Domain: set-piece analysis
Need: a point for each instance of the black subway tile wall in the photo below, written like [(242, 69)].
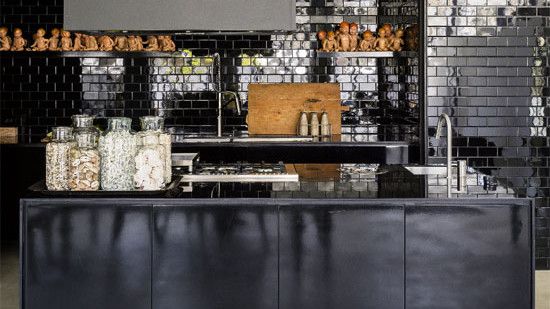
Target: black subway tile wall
[(488, 69), (382, 93)]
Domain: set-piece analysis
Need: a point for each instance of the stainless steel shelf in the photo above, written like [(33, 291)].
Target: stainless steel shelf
[(372, 54)]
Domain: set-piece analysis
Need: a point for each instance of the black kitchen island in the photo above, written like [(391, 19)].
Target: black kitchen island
[(354, 239)]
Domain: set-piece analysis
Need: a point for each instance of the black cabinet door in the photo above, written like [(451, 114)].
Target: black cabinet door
[(341, 256), (86, 256), (212, 257), (468, 257)]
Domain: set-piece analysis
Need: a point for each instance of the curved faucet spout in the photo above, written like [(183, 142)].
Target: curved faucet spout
[(237, 101), (444, 119)]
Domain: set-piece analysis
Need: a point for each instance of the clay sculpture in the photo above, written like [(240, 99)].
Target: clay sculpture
[(5, 40), (40, 42)]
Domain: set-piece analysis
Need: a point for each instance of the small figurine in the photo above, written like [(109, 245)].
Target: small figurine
[(139, 41), (396, 42), (167, 44), (66, 42), (19, 43), (382, 43), (53, 44), (90, 42), (132, 43), (343, 37), (135, 43), (106, 43), (5, 40), (330, 44), (152, 43), (121, 43), (78, 39), (40, 42), (354, 37), (368, 41), (321, 36), (389, 30)]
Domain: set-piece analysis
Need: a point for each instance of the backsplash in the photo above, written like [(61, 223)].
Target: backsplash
[(487, 68), (382, 93)]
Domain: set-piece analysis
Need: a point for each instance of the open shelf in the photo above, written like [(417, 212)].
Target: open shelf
[(369, 54), (100, 54)]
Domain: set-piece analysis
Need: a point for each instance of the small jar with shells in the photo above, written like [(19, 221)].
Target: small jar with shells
[(58, 159), (84, 162)]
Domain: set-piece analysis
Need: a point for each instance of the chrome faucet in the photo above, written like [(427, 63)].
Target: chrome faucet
[(218, 87), (445, 118), (220, 107)]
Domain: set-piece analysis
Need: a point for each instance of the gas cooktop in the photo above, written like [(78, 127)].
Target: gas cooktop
[(240, 172)]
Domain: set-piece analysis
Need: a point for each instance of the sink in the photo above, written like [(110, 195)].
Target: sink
[(203, 140), (244, 139), (272, 139), (426, 169)]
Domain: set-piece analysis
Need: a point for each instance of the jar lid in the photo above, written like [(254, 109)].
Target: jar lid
[(119, 123), (60, 134), (82, 121), (152, 123)]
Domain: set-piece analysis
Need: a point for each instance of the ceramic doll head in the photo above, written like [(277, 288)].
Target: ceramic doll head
[(353, 29), (55, 32), (331, 35), (3, 32), (381, 32), (321, 35), (17, 32), (40, 33), (65, 34), (344, 27), (367, 35), (388, 28)]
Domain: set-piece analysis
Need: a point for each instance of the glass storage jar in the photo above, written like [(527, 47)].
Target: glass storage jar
[(57, 159), (117, 148), (149, 162), (85, 162), (83, 123), (156, 124)]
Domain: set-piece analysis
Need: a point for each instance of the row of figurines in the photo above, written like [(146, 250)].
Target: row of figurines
[(81, 159), (61, 40), (346, 38)]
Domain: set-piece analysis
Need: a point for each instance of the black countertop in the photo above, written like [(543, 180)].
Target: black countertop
[(341, 181)]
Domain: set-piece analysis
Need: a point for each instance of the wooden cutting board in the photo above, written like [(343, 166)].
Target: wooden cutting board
[(8, 135), (274, 109)]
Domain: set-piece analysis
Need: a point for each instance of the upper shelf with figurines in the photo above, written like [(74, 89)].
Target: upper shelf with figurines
[(61, 40), (387, 42)]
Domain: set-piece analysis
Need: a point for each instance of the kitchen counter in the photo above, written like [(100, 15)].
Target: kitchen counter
[(276, 253)]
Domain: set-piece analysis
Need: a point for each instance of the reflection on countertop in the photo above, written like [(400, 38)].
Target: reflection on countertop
[(317, 181), (320, 181)]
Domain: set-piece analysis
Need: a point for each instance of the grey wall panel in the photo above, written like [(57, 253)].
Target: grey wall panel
[(159, 15)]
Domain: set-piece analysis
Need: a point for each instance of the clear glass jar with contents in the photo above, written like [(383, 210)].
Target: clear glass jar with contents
[(83, 123), (58, 159), (117, 148), (156, 124), (85, 162), (149, 162)]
